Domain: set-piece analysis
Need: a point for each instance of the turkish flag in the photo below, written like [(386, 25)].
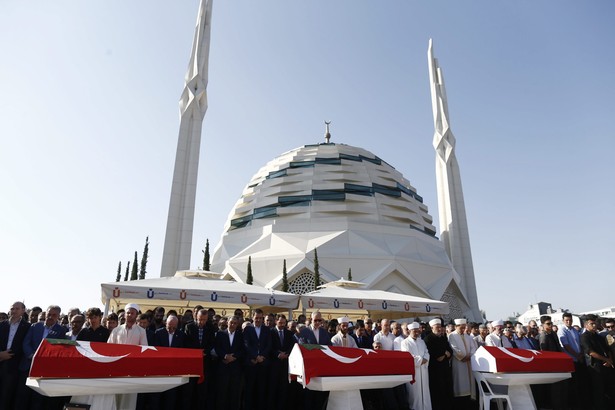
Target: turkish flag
[(67, 359), (321, 361), (495, 359)]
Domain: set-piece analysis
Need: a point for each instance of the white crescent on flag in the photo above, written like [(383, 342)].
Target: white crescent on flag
[(338, 357), (85, 350), (520, 358)]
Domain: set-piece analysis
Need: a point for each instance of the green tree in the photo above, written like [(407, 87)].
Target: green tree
[(316, 270), (206, 265), (143, 269), (284, 278), (249, 278), (349, 273), (134, 275), (119, 272), (127, 271)]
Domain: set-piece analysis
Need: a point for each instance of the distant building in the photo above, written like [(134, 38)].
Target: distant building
[(535, 311), (604, 312)]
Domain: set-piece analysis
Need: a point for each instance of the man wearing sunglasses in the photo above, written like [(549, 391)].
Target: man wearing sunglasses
[(315, 333)]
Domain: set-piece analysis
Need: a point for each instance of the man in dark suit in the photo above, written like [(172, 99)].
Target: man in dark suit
[(200, 335), (169, 336), (282, 342), (230, 349), (257, 339), (49, 329), (12, 335), (315, 333)]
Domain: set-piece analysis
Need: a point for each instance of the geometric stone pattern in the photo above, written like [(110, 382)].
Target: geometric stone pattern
[(302, 284)]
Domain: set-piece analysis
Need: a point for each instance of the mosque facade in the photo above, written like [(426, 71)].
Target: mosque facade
[(360, 214)]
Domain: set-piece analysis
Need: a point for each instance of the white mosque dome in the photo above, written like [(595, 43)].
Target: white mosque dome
[(358, 211)]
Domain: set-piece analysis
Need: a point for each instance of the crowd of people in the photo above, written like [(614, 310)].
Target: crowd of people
[(246, 358)]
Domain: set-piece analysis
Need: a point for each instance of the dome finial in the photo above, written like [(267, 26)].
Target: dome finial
[(327, 133)]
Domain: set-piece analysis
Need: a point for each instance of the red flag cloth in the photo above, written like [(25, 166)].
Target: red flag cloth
[(495, 359), (85, 360), (331, 361)]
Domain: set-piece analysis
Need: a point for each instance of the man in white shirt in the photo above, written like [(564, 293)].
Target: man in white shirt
[(400, 331), (76, 325), (385, 337)]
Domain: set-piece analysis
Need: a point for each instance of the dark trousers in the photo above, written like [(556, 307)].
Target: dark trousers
[(598, 378), (228, 396), (9, 380), (278, 385), (256, 389)]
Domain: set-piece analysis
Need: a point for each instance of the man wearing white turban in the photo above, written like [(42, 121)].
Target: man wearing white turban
[(418, 392), (130, 333), (463, 348)]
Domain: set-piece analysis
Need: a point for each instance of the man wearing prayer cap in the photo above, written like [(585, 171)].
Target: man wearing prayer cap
[(440, 376), (130, 333), (342, 338), (418, 392), (463, 348)]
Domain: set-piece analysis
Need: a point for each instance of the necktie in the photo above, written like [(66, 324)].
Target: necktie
[(281, 337)]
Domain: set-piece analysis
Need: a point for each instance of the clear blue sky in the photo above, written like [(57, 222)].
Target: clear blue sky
[(89, 117)]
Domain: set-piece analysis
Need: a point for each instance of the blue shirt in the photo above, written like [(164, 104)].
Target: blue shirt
[(523, 343), (569, 336)]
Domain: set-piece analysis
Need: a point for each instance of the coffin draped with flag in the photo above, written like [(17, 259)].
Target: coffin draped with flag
[(310, 361), (494, 359), (64, 359)]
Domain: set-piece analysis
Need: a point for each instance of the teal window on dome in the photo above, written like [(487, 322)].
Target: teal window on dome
[(265, 212), (328, 195), (241, 222), (375, 160), (296, 200), (350, 157), (358, 189), (329, 161), (277, 174), (302, 164), (385, 190)]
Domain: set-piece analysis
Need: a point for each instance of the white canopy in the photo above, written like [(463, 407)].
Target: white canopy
[(190, 288), (347, 297)]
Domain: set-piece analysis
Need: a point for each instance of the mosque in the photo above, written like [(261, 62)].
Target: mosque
[(360, 214)]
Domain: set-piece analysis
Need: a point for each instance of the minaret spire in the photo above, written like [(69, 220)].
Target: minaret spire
[(327, 133), (192, 108), (453, 223)]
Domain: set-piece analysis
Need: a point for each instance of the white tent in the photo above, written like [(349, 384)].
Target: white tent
[(190, 288), (346, 297)]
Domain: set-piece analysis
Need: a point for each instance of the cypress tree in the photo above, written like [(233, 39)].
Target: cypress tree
[(316, 271), (349, 274), (249, 278), (206, 264), (284, 278), (127, 271), (143, 269), (119, 272), (134, 275)]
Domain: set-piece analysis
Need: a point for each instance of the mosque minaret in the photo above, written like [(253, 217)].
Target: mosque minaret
[(192, 108), (452, 212)]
